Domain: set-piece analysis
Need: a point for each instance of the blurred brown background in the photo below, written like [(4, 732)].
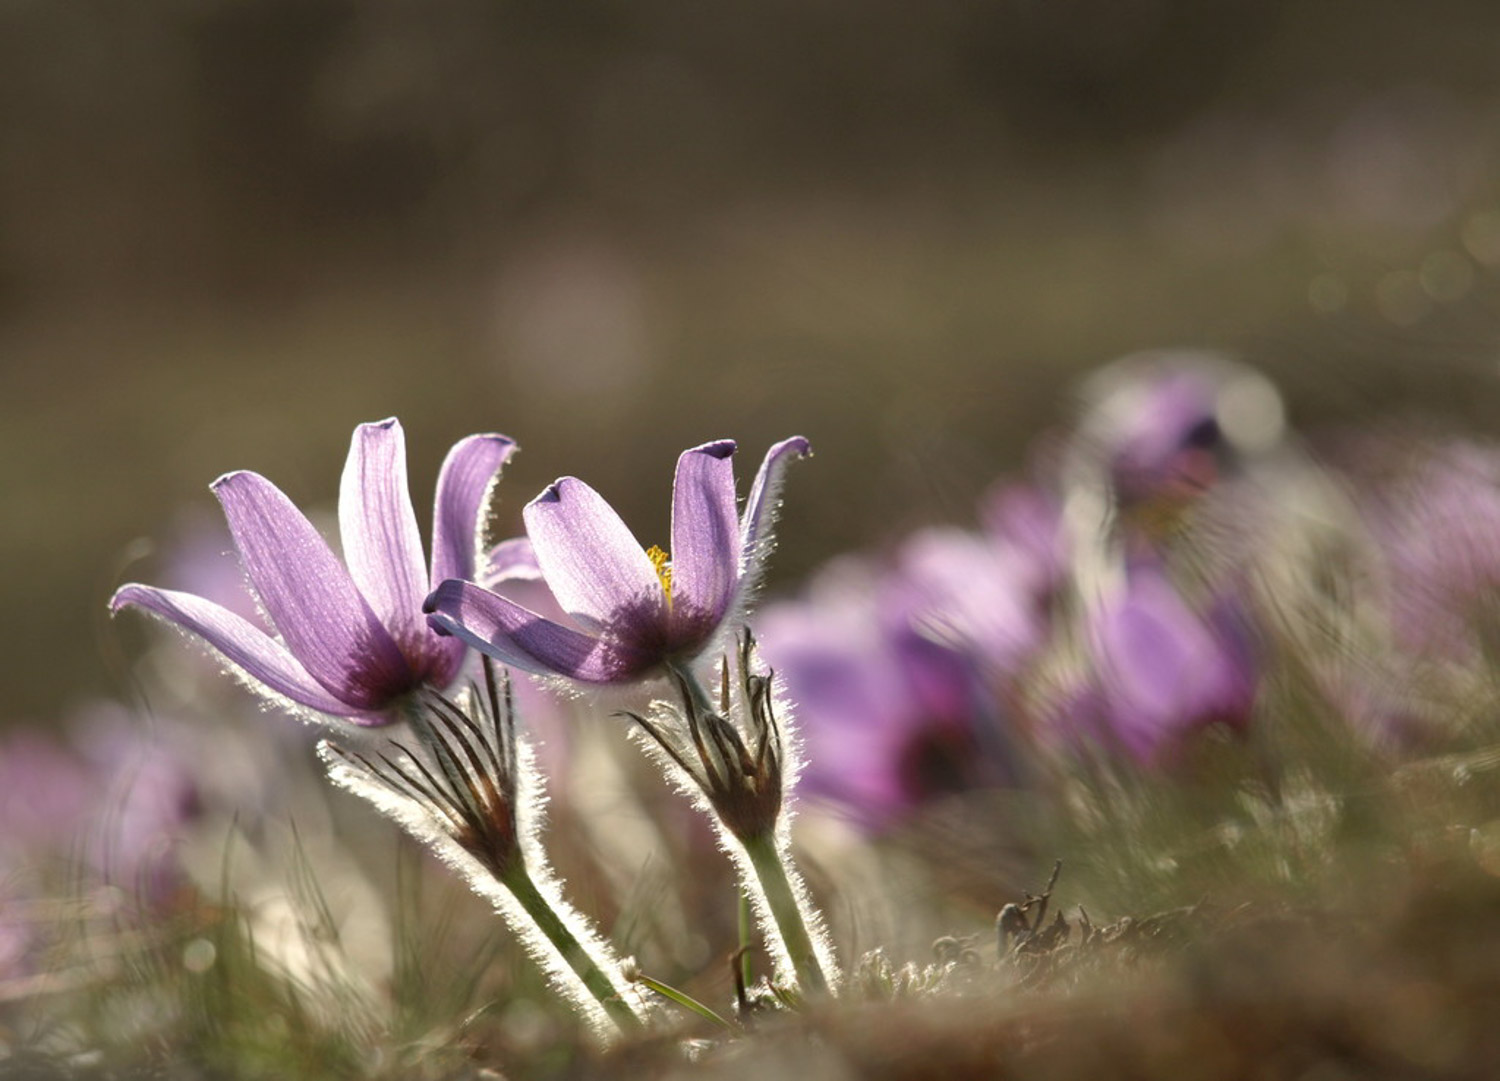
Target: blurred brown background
[(232, 229)]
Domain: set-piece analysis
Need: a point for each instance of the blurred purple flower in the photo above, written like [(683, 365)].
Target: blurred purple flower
[(1162, 671), (1438, 528), (902, 674), (1027, 521), (856, 713), (635, 611), (892, 715), (109, 800), (353, 642), (1161, 428), (46, 796), (147, 791), (976, 594), (45, 792)]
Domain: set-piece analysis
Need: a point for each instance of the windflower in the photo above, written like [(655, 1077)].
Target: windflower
[(904, 670), (1438, 530), (895, 710), (636, 610), (1164, 671), (1160, 428), (351, 640)]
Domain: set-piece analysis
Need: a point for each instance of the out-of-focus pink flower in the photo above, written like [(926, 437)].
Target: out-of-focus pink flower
[(148, 793), (1438, 528), (973, 592), (892, 688), (110, 800), (45, 790), (1163, 671), (1160, 429)]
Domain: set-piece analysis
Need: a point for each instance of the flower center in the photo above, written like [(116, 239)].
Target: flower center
[(663, 564)]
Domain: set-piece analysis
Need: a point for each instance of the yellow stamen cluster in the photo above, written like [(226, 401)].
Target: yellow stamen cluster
[(663, 564)]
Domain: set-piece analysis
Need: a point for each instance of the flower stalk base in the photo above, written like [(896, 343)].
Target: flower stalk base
[(784, 905), (537, 908)]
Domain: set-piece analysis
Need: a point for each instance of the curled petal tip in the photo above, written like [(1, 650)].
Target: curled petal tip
[(718, 448), (435, 598), (504, 443), (555, 491), (501, 440), (227, 478)]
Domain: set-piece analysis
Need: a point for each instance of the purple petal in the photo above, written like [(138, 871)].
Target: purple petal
[(381, 543), (596, 568), (705, 535), (518, 637), (316, 607), (1029, 519), (470, 468), (765, 500), (1164, 670), (469, 471), (511, 560), (244, 645)]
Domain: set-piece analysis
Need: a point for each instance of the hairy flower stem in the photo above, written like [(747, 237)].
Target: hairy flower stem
[(786, 911), (465, 784), (732, 754), (537, 908)]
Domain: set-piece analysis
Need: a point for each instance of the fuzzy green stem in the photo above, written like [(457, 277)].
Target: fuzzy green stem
[(519, 883), (781, 899), (747, 971)]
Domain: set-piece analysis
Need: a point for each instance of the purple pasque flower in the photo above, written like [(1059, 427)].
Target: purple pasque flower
[(635, 609), (974, 592), (148, 788), (1160, 428), (1163, 671), (856, 710), (893, 712), (1026, 519), (1437, 527), (45, 791), (352, 640)]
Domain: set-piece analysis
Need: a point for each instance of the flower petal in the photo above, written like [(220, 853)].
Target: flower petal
[(518, 637), (705, 535), (760, 510), (512, 560), (595, 567), (471, 467), (463, 487), (316, 607), (381, 543), (244, 645)]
